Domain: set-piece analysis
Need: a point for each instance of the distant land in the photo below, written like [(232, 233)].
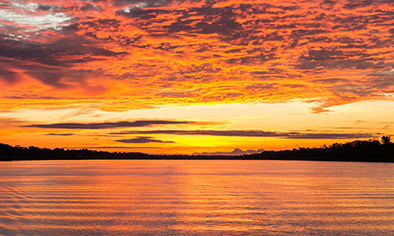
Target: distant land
[(359, 150)]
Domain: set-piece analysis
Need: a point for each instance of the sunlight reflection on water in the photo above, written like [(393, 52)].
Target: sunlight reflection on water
[(150, 197)]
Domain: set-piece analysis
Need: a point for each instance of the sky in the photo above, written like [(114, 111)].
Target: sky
[(209, 76)]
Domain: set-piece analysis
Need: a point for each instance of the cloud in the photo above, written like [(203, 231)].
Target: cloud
[(58, 134), (8, 121), (253, 133), (109, 125), (27, 96), (23, 15), (62, 52), (112, 147), (8, 76), (193, 52), (142, 140), (351, 4), (51, 63), (235, 152), (90, 7), (336, 58)]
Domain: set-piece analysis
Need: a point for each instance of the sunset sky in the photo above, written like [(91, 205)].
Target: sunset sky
[(163, 76)]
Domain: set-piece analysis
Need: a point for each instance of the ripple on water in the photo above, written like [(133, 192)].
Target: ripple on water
[(196, 197)]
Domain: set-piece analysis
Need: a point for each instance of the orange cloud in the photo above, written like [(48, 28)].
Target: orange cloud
[(109, 53)]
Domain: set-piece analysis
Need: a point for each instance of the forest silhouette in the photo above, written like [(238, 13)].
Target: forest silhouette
[(359, 150)]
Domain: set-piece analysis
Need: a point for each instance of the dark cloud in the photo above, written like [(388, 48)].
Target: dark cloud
[(112, 147), (329, 2), (254, 133), (329, 136), (351, 4), (384, 73), (52, 78), (90, 7), (29, 96), (110, 125), (337, 59), (143, 140), (220, 21), (59, 77), (255, 59), (381, 83), (8, 76), (141, 13), (331, 81), (63, 52), (46, 7), (50, 63), (64, 134), (145, 3), (50, 69)]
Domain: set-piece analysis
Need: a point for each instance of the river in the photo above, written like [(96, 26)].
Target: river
[(196, 197)]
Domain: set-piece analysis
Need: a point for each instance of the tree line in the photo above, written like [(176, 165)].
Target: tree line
[(359, 150), (9, 153)]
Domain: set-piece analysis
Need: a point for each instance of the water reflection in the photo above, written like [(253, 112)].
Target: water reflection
[(196, 197)]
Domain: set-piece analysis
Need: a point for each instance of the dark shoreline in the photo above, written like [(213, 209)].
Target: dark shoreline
[(356, 151), (195, 159)]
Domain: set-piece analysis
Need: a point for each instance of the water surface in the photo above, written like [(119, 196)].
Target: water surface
[(196, 197)]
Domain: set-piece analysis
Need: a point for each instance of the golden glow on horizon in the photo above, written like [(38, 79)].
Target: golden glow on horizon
[(267, 117)]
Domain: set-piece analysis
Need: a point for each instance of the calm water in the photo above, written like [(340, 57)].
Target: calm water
[(196, 197)]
